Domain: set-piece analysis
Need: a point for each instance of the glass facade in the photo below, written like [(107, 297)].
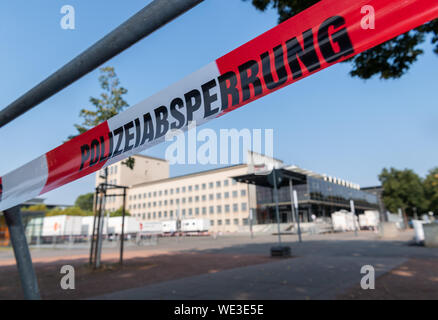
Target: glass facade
[(316, 197)]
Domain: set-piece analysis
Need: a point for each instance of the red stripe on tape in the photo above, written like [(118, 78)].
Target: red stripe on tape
[(327, 33), (74, 160)]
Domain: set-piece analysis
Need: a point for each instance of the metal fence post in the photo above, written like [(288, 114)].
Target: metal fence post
[(22, 255)]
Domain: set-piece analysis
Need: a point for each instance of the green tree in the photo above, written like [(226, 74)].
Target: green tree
[(36, 207), (402, 189), (110, 103), (85, 201), (69, 211), (119, 213), (389, 60), (431, 189)]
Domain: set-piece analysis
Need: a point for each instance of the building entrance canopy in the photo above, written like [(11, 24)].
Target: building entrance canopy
[(264, 181)]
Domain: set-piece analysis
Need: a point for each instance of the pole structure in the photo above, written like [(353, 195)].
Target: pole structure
[(277, 210), (28, 278), (354, 216), (297, 215), (93, 242), (150, 18), (294, 208), (122, 240)]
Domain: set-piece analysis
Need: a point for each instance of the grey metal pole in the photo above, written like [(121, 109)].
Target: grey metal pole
[(150, 18), (123, 227), (22, 255), (277, 210), (297, 215), (354, 216), (292, 205)]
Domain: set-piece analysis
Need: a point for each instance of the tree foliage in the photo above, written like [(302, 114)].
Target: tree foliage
[(119, 213), (85, 201), (431, 189), (389, 60), (109, 103), (69, 211), (36, 208), (402, 189)]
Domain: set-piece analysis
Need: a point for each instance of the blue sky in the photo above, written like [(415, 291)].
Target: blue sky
[(329, 123)]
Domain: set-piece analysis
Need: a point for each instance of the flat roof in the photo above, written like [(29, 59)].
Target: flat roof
[(149, 157), (200, 173), (262, 179)]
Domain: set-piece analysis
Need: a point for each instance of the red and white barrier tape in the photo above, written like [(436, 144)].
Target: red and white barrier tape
[(316, 38)]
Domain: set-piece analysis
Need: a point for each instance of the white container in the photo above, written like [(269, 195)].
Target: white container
[(87, 225), (151, 227), (419, 232), (344, 221), (115, 225), (168, 226), (195, 225), (62, 226)]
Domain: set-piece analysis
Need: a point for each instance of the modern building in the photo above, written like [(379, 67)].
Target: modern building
[(146, 169), (226, 201), (318, 195)]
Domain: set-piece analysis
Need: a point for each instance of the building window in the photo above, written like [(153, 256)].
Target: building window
[(197, 211), (243, 206), (227, 208), (177, 190), (234, 194), (226, 183), (196, 198), (196, 187), (243, 193), (165, 214), (218, 184), (218, 209), (159, 214), (233, 182), (204, 197), (190, 199), (211, 209), (212, 222), (219, 222), (171, 191), (210, 185), (183, 189), (226, 195), (183, 212), (211, 196), (218, 195), (190, 211), (245, 222), (155, 214), (155, 193), (227, 222), (171, 213), (149, 215), (204, 186), (235, 207), (236, 222), (204, 210), (190, 188)]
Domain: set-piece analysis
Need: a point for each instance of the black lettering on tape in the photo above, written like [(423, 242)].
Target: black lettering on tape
[(228, 88), (161, 122), (193, 102), (340, 38), (252, 79), (85, 155), (209, 98), (279, 68), (306, 54)]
